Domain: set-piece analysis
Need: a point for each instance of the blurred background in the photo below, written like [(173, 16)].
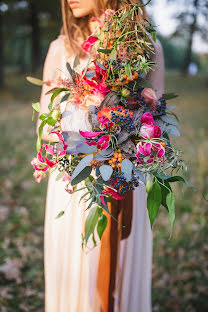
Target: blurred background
[(180, 266)]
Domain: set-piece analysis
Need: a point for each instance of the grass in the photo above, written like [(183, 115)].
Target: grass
[(180, 272)]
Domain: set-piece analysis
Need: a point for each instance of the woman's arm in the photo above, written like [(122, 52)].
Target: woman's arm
[(51, 71), (157, 77)]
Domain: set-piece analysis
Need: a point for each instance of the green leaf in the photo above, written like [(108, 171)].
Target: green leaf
[(35, 81), (165, 190), (40, 132), (170, 200), (91, 222), (51, 91), (43, 116), (51, 122), (106, 51), (36, 107), (76, 62), (101, 226), (82, 175), (56, 93), (61, 213), (154, 199), (154, 36), (128, 70), (170, 179)]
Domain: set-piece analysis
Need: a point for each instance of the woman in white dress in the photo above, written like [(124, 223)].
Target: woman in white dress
[(76, 281)]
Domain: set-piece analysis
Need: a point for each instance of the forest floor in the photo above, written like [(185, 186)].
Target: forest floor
[(180, 265)]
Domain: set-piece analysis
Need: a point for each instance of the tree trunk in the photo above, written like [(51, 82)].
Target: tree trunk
[(35, 37), (193, 26), (1, 51)]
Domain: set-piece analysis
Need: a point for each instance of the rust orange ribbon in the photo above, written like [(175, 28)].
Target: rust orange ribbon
[(106, 278)]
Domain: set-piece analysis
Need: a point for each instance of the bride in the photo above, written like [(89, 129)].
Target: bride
[(100, 280)]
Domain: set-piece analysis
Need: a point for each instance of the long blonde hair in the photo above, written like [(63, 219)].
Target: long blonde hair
[(74, 28)]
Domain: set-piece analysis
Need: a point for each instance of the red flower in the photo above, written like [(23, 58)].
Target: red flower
[(88, 44)]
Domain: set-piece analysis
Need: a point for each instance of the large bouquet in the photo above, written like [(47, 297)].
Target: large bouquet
[(128, 142)]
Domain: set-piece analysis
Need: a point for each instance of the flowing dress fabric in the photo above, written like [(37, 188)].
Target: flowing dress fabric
[(70, 273)]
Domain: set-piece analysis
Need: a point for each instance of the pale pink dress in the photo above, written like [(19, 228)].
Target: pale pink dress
[(70, 273)]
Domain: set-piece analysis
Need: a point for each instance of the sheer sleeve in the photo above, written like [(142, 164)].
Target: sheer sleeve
[(157, 77), (52, 70)]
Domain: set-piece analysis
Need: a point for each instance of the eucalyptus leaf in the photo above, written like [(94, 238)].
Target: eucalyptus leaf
[(169, 96), (154, 199), (169, 120), (90, 74), (82, 164), (76, 62), (126, 168), (70, 70), (139, 174), (82, 175), (170, 129), (100, 65), (91, 222), (106, 172), (65, 97)]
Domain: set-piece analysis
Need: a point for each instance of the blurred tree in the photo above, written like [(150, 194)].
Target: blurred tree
[(26, 22), (192, 21), (1, 49)]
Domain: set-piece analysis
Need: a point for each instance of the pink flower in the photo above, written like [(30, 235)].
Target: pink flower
[(88, 44), (38, 175), (66, 178), (97, 83), (148, 128), (150, 131), (147, 118), (69, 189), (43, 163), (90, 135), (102, 142), (150, 151), (110, 192), (147, 131)]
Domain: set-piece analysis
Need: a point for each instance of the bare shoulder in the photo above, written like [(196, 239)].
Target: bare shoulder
[(57, 45)]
